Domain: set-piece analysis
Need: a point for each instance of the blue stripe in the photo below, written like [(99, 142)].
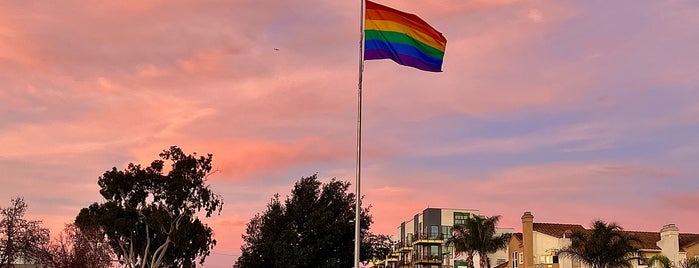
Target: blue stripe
[(396, 50)]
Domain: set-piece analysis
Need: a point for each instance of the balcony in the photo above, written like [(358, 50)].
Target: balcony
[(424, 238), (427, 259), (405, 246)]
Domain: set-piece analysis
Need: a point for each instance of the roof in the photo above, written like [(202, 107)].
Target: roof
[(648, 239), (518, 236), (502, 265), (557, 229), (688, 240)]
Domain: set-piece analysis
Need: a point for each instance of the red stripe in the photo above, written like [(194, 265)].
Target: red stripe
[(375, 11)]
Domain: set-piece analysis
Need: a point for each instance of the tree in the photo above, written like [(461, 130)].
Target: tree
[(689, 263), (604, 246), (76, 249), (20, 239), (378, 247), (660, 261), (460, 240), (150, 217), (314, 227), (478, 235)]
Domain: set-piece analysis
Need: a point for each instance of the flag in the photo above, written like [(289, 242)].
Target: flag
[(402, 37)]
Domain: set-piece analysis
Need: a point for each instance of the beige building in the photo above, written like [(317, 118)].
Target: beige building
[(538, 245)]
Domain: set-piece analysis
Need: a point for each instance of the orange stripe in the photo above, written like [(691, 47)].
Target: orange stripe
[(422, 26), (376, 11), (391, 26)]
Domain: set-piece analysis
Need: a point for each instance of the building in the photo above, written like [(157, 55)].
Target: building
[(538, 244), (421, 241)]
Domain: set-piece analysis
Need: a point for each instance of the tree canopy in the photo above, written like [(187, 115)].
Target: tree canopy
[(20, 238), (604, 246), (689, 263), (77, 249), (660, 261), (314, 227), (378, 246), (150, 216)]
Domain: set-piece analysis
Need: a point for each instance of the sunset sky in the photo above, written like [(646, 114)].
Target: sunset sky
[(573, 110)]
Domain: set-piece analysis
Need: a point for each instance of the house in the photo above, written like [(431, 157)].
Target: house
[(538, 245)]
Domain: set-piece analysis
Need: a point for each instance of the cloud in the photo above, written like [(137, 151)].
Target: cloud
[(535, 15), (245, 159), (684, 201), (568, 109)]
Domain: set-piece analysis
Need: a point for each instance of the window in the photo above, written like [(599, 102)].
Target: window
[(434, 231), (460, 217), (434, 250), (515, 259), (521, 258), (446, 232)]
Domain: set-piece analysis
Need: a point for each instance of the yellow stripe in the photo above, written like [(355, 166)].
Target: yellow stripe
[(385, 25)]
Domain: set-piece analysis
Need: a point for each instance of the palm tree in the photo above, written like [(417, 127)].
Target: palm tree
[(604, 246), (660, 261), (478, 235), (689, 263), (461, 243)]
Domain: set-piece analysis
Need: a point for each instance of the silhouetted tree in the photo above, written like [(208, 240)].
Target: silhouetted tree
[(604, 246), (461, 241), (150, 217), (20, 239), (314, 227), (377, 247), (77, 249)]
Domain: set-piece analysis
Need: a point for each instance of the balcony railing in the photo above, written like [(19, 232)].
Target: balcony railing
[(427, 258), (421, 238), (404, 245)]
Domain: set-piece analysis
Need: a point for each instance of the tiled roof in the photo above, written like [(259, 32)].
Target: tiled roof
[(518, 236), (556, 229), (688, 240), (648, 239)]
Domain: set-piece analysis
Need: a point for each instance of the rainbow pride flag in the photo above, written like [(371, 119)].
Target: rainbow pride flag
[(402, 37)]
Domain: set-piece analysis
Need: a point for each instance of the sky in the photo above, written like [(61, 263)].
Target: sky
[(573, 110)]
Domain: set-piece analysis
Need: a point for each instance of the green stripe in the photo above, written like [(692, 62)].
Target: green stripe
[(395, 37)]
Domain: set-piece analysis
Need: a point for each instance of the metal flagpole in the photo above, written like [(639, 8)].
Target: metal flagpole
[(358, 197)]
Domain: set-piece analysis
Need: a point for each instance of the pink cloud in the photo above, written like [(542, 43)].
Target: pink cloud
[(242, 159), (684, 201), (553, 191), (87, 87)]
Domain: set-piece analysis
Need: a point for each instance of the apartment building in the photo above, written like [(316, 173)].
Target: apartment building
[(421, 241)]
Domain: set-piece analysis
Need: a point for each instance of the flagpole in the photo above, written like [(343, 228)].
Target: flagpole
[(357, 210)]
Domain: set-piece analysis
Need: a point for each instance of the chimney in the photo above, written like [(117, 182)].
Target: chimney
[(528, 237), (669, 243)]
